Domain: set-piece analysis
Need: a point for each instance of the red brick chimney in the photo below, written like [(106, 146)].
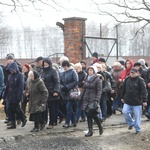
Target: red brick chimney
[(74, 31)]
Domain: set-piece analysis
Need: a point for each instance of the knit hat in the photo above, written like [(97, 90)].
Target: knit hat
[(142, 61), (27, 66), (122, 62), (137, 64), (102, 59), (95, 54), (10, 56)]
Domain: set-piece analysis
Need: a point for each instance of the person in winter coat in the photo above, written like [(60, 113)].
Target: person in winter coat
[(82, 76), (25, 70), (38, 95), (147, 113), (52, 82), (94, 58), (13, 93), (116, 71), (134, 95), (126, 72), (108, 85), (92, 90), (1, 82), (69, 81)]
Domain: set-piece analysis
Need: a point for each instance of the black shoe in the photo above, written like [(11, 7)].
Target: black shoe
[(137, 132), (18, 121), (34, 130), (90, 133), (130, 127), (101, 130), (60, 120), (114, 112), (73, 125), (42, 126), (6, 121), (66, 126), (82, 120), (9, 124), (24, 122), (103, 119), (147, 115), (11, 127)]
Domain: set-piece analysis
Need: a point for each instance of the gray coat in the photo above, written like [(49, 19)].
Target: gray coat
[(38, 96), (92, 90)]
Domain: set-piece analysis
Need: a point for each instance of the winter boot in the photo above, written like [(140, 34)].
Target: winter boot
[(12, 126), (90, 126), (97, 120)]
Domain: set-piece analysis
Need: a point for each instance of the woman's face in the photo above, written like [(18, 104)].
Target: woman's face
[(77, 69), (31, 75), (90, 71), (24, 69), (66, 68), (128, 64), (46, 64)]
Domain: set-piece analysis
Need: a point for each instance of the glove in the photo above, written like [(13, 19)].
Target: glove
[(64, 88)]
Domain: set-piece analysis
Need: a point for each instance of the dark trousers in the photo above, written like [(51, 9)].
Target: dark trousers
[(16, 110), (53, 111)]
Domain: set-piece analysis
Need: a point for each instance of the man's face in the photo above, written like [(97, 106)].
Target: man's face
[(10, 61), (94, 58), (134, 74), (137, 67), (39, 63)]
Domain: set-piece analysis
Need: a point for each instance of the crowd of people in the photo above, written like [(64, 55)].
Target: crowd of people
[(53, 92)]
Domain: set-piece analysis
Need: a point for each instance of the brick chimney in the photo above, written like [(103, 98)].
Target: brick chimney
[(74, 31)]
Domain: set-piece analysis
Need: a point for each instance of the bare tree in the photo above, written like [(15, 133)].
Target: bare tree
[(125, 11)]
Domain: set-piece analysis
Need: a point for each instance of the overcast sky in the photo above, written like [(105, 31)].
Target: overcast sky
[(50, 15)]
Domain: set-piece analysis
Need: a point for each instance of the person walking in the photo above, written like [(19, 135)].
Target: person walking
[(14, 92), (52, 82), (92, 90), (134, 95), (68, 81), (38, 95)]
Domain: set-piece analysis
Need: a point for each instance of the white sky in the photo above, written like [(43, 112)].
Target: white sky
[(49, 15)]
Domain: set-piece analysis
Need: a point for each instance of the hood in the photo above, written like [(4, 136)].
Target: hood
[(13, 66), (94, 68), (47, 60)]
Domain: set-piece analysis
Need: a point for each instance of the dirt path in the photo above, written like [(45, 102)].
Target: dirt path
[(120, 138)]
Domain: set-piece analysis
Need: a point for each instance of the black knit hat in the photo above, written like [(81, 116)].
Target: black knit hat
[(102, 59), (137, 64), (95, 54)]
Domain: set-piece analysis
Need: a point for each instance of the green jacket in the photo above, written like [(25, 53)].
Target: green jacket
[(38, 96)]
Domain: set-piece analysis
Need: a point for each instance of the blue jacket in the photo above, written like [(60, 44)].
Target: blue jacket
[(15, 84), (69, 79), (1, 80)]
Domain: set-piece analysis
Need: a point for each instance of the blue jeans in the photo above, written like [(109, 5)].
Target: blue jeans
[(136, 121), (117, 103), (70, 116), (80, 112)]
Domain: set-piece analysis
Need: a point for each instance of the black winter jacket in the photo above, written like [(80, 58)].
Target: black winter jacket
[(134, 91)]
